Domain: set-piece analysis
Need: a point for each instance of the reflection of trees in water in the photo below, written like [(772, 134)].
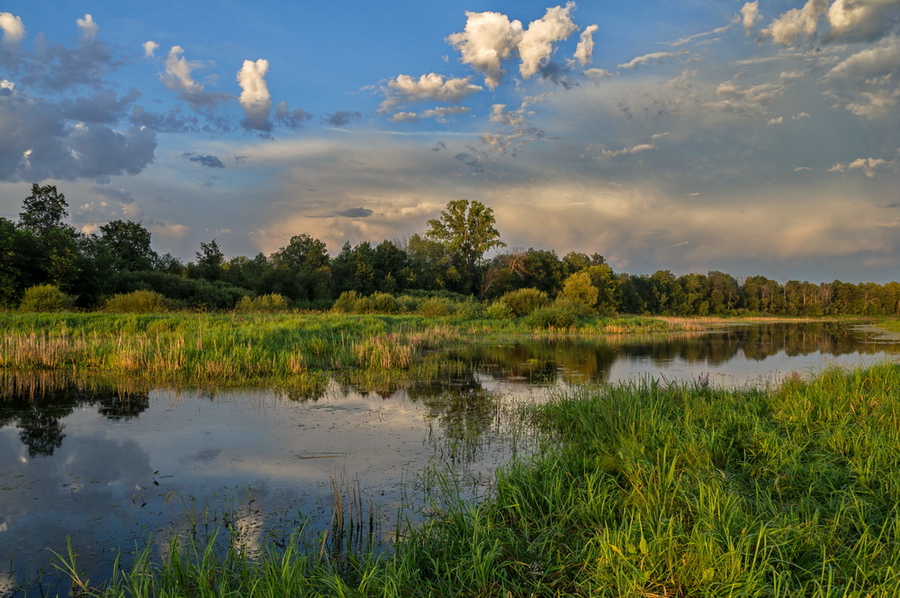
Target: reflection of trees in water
[(543, 361), (462, 407), (36, 405)]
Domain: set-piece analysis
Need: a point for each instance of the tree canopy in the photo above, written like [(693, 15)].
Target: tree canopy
[(466, 229)]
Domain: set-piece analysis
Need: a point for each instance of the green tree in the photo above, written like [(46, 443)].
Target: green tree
[(210, 262), (43, 210), (128, 244), (301, 270), (466, 229)]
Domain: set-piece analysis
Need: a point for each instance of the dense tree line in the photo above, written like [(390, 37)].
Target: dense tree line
[(449, 258)]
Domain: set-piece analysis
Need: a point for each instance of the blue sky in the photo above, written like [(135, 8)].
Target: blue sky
[(750, 137)]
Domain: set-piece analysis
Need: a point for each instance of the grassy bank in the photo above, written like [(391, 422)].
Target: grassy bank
[(226, 349), (644, 491)]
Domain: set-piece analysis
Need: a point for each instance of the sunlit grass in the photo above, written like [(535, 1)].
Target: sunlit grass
[(231, 349)]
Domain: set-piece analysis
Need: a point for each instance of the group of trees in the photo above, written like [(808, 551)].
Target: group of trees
[(41, 249)]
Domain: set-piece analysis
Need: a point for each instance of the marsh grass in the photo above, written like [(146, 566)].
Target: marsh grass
[(643, 490), (297, 350)]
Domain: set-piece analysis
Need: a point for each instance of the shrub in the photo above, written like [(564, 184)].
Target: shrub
[(499, 311), (137, 302), (525, 301), (45, 297), (385, 303), (469, 309), (551, 317), (436, 306), (264, 303), (346, 302)]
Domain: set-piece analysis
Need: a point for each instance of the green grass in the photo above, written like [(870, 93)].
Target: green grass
[(229, 349), (642, 490)]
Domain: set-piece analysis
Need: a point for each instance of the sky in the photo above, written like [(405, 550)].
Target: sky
[(749, 137)]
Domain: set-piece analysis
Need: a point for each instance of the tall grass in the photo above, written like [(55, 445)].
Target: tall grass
[(243, 349), (643, 490)]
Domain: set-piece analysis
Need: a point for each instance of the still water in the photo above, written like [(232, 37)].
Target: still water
[(115, 469)]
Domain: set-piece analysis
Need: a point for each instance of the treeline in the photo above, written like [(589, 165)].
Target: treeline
[(42, 251)]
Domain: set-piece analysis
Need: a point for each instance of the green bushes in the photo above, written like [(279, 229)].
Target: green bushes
[(551, 317), (524, 301), (262, 304), (45, 298), (137, 302)]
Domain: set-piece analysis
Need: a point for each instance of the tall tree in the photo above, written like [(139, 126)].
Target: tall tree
[(129, 245), (43, 210), (466, 229)]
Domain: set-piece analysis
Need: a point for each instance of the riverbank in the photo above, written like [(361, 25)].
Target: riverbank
[(641, 490)]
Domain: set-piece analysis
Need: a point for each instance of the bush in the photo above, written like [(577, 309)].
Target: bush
[(525, 301), (45, 297), (346, 302), (137, 302), (499, 311), (436, 306), (385, 303), (551, 317), (264, 303)]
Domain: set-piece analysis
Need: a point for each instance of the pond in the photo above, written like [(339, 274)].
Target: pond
[(115, 468)]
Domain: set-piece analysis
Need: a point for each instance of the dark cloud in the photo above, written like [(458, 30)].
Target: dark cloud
[(208, 160), (342, 118), (39, 143), (556, 73), (173, 121), (292, 119), (355, 213), (440, 145), (474, 163), (58, 68), (100, 107)]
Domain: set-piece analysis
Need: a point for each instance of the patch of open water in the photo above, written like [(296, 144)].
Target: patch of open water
[(113, 470)]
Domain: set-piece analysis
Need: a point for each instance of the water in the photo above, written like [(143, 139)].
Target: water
[(116, 469)]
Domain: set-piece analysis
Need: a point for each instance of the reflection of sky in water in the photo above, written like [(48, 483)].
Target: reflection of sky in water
[(267, 462), (265, 458)]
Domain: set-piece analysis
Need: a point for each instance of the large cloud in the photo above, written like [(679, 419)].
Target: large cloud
[(255, 98), (490, 38), (40, 144), (537, 42), (845, 20)]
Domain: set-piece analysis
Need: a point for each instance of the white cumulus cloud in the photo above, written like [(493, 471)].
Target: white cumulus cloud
[(430, 87), (862, 19), (796, 22), (88, 27), (13, 29), (149, 48), (536, 43), (178, 72), (584, 52), (255, 98), (487, 40), (868, 165), (750, 16)]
